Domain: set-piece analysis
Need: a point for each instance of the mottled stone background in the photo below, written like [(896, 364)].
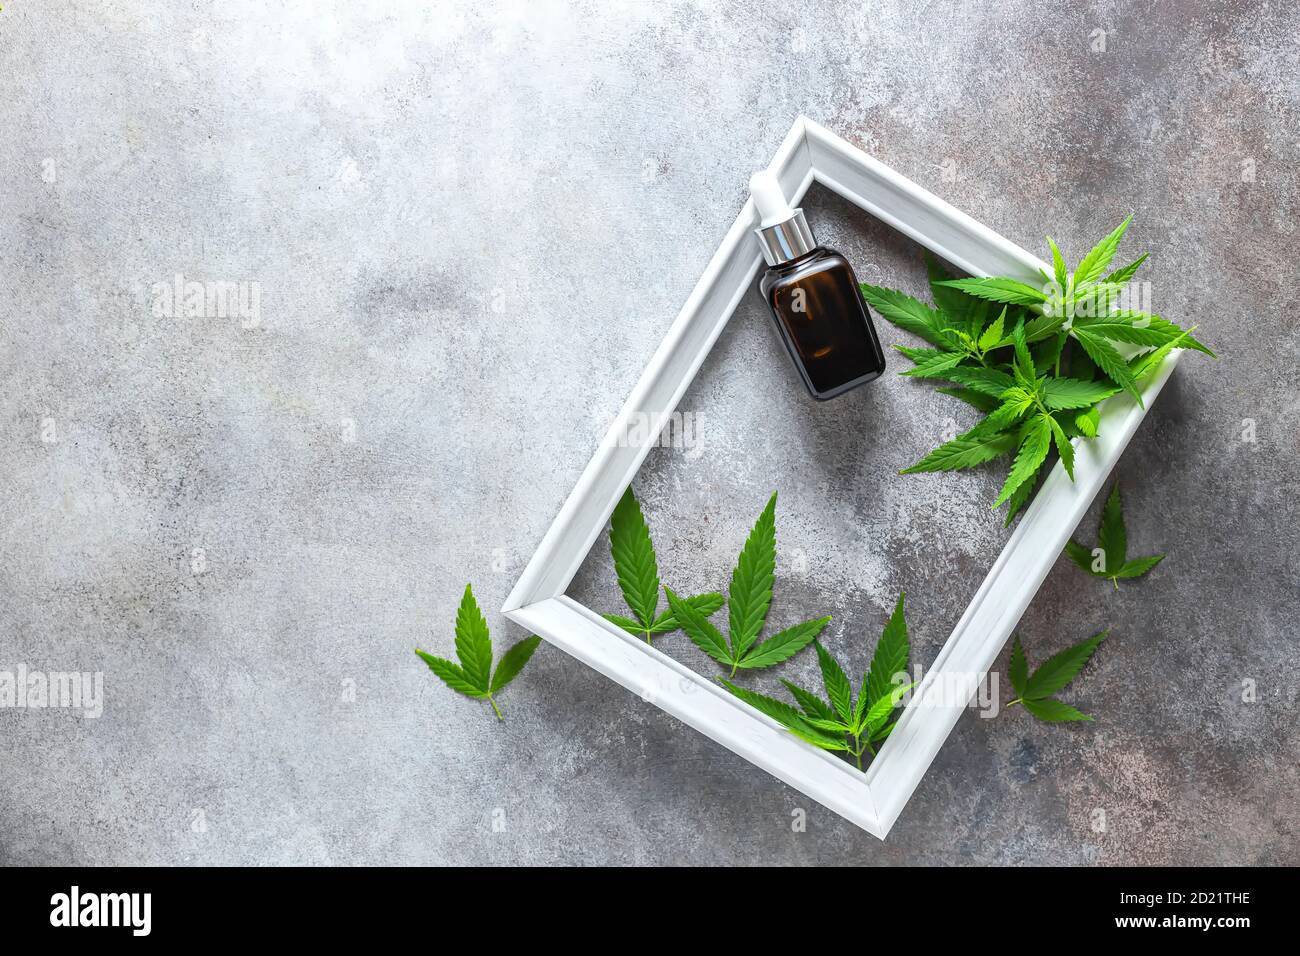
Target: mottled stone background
[(470, 226)]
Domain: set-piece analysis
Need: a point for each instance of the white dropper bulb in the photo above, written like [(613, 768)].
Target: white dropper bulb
[(770, 200)]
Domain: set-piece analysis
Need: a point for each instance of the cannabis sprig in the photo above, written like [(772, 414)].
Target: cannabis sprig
[(1110, 558), (1035, 691), (637, 569), (474, 676), (1039, 367), (748, 601), (838, 722)]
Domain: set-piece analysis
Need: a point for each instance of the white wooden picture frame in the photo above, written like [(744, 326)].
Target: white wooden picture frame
[(874, 799)]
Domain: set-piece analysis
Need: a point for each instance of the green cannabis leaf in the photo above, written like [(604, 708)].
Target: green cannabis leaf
[(838, 722), (638, 574), (1110, 558), (474, 676), (748, 600), (1036, 361), (1035, 691)]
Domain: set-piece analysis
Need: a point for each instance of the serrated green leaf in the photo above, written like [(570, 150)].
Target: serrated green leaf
[(750, 594), (1053, 711), (1069, 425), (965, 451), (978, 313), (918, 355), (1063, 446), (452, 675), (1068, 428), (1035, 439), (1058, 265), (836, 683), (1042, 326), (1020, 394), (706, 604), (1137, 567), (884, 732), (879, 711), (513, 661), (1180, 337), (1063, 393), (812, 705), (985, 403), (991, 336), (787, 716), (473, 643), (1124, 274), (626, 623), (935, 367), (1112, 543), (1100, 298), (1059, 669), (1048, 352), (1139, 328), (1019, 498), (1143, 365), (890, 656), (832, 726), (1018, 669), (986, 381), (1095, 262), (1087, 422), (699, 629), (750, 598), (951, 303), (816, 737), (1112, 536), (1005, 416), (1081, 555), (778, 710), (999, 289), (860, 708), (783, 645), (909, 314), (1024, 361), (634, 558), (1109, 361)]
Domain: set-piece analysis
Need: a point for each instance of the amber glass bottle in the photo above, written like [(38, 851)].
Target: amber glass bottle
[(814, 298)]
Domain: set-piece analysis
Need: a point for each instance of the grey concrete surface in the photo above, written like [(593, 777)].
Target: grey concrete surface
[(469, 226)]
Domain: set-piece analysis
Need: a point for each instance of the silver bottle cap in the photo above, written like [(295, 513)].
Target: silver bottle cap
[(783, 232), (786, 240)]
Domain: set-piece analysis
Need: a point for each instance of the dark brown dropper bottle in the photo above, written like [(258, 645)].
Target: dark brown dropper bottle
[(814, 297)]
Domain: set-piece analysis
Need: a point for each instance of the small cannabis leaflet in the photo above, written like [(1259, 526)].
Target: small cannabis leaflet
[(1110, 558), (837, 722), (748, 601), (1038, 366), (638, 574), (474, 676), (1035, 691)]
